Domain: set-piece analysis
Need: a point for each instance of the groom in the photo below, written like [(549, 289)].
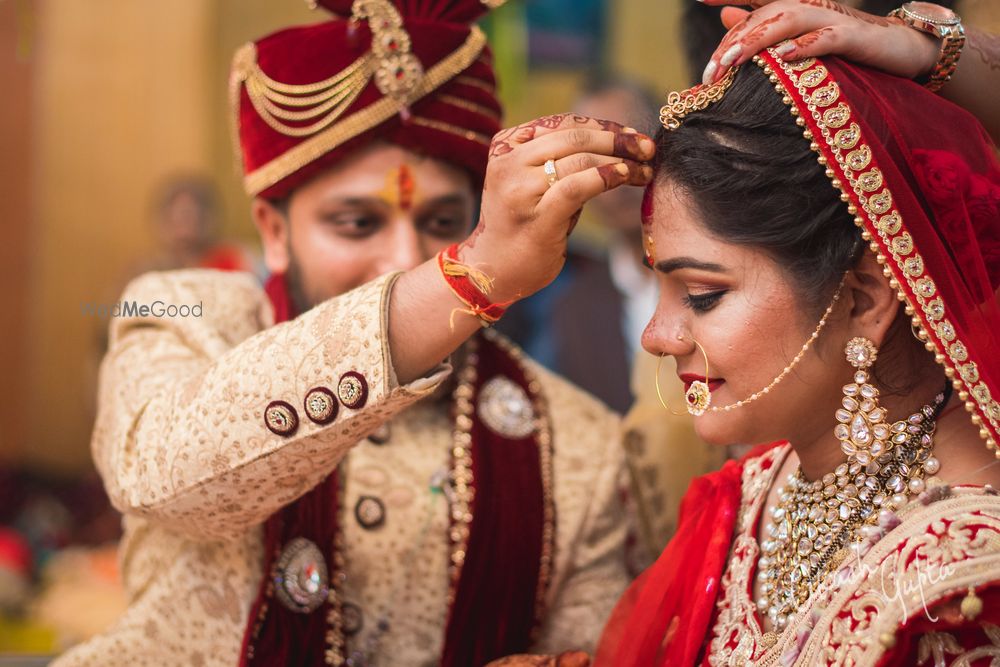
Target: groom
[(304, 481)]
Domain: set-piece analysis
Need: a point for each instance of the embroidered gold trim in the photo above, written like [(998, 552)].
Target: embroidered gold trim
[(473, 82), (441, 126), (470, 106), (844, 617), (883, 227), (360, 121)]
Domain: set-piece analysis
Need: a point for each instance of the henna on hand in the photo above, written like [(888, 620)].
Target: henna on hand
[(847, 11), (523, 133), (986, 46), (612, 174), (810, 38), (627, 145), (759, 29), (730, 37), (470, 242), (502, 141)]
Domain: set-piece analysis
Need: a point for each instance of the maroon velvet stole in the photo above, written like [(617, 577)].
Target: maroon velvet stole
[(494, 610)]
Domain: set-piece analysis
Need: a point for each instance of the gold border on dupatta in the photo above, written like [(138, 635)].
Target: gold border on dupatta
[(814, 98)]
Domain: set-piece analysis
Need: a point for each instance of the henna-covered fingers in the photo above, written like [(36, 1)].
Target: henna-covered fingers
[(556, 145), (742, 41), (834, 6), (791, 20), (571, 192), (506, 140), (811, 43)]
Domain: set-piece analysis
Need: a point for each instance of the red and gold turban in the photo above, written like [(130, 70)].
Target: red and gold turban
[(415, 73)]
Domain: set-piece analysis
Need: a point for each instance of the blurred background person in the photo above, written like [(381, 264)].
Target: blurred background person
[(187, 230)]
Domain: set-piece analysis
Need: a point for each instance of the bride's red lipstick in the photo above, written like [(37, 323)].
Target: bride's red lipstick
[(689, 378)]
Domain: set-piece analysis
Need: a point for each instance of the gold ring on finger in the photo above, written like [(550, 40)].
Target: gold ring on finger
[(550, 172)]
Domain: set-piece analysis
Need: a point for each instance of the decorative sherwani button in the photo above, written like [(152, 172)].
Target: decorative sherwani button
[(281, 418), (353, 619), (321, 405), (301, 582), (353, 390), (506, 409), (370, 512)]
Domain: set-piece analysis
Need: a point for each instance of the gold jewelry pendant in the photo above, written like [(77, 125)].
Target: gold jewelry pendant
[(698, 398), (862, 429), (699, 395)]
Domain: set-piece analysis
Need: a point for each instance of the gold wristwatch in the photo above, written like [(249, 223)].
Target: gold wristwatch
[(943, 24)]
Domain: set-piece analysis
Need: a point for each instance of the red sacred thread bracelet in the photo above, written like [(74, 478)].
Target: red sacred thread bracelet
[(471, 286)]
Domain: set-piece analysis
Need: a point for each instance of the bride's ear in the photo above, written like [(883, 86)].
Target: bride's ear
[(873, 304)]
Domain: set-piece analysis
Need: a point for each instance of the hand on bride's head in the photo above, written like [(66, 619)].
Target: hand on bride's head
[(820, 28)]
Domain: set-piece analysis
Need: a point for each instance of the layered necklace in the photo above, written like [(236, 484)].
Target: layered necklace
[(815, 523)]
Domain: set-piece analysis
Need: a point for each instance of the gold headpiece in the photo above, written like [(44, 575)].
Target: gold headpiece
[(680, 104)]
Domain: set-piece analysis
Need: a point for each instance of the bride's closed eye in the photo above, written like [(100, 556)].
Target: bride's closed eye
[(702, 303)]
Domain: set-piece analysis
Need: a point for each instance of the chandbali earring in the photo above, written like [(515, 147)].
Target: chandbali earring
[(862, 431)]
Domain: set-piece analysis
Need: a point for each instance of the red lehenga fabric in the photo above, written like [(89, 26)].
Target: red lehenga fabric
[(923, 179)]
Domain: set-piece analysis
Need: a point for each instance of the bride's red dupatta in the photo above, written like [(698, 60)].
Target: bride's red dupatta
[(663, 617)]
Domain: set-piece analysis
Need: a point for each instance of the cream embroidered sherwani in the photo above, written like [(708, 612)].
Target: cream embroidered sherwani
[(182, 446)]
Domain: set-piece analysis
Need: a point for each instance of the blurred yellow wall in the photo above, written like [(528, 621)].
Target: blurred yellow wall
[(125, 93), (16, 219)]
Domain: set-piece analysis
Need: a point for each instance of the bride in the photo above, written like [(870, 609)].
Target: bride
[(826, 239), (827, 243)]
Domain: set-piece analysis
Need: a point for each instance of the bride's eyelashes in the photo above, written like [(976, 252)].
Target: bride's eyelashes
[(702, 303)]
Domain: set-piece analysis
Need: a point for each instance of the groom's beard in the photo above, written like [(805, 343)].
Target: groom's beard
[(296, 291)]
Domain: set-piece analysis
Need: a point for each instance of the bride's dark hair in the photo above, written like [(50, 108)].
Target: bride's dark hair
[(753, 179)]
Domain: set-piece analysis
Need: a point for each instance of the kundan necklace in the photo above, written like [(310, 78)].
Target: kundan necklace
[(814, 523)]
